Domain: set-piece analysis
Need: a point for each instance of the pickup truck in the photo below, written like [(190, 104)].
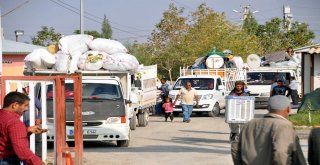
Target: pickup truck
[(113, 103), (212, 86)]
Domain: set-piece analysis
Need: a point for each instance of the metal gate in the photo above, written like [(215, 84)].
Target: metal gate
[(34, 83)]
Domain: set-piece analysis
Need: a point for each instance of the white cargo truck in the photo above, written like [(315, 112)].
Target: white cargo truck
[(212, 86), (113, 103), (260, 79)]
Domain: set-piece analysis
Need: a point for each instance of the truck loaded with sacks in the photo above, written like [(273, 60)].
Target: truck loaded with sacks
[(264, 71), (213, 77), (117, 92)]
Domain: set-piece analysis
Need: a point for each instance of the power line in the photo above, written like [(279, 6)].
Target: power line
[(92, 19), (22, 4), (92, 15), (182, 4)]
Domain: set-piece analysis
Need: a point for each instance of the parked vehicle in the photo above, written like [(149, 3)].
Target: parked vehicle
[(113, 103), (212, 86), (260, 79)]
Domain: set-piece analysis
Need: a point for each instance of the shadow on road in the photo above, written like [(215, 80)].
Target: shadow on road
[(160, 148), (209, 132)]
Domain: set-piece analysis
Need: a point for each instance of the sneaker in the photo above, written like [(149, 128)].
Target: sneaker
[(188, 121)]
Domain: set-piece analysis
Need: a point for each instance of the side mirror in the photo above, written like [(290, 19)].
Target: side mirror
[(220, 87)]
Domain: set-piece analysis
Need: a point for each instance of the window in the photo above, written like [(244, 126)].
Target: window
[(197, 83)]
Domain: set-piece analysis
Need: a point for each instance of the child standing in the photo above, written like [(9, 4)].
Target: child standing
[(168, 108)]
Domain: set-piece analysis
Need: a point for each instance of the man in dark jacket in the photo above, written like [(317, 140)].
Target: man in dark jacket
[(314, 147)]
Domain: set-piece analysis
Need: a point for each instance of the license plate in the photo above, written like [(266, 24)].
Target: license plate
[(85, 132)]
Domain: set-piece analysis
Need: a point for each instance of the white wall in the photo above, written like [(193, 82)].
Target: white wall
[(306, 72), (316, 71)]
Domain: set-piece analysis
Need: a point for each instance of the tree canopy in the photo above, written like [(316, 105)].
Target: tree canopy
[(106, 30), (46, 36)]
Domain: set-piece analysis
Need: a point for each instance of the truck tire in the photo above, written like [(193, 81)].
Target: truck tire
[(133, 122), (143, 119), (123, 143), (215, 111)]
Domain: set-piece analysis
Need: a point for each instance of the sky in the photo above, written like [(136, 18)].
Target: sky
[(135, 19)]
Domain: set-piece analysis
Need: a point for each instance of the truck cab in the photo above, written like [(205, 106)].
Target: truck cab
[(259, 81), (105, 114), (211, 93)]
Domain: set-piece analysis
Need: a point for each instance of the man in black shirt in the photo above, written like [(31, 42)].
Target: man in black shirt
[(280, 89)]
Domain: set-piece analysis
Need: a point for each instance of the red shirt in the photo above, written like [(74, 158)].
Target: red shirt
[(14, 139)]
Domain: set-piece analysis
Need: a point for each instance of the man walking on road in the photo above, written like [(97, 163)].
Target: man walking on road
[(187, 94), (14, 134), (270, 140)]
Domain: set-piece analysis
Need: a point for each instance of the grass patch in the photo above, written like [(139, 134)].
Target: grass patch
[(302, 119)]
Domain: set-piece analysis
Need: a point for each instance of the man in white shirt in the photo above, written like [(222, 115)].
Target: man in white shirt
[(188, 94), (294, 92)]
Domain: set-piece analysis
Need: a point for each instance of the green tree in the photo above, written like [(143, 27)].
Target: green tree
[(142, 52), (165, 40), (46, 36), (250, 24), (274, 38), (106, 30), (93, 33)]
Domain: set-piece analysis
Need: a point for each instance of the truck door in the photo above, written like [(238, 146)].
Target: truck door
[(219, 93)]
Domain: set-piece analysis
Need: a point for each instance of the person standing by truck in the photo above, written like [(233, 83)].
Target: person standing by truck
[(188, 94), (294, 92), (280, 89)]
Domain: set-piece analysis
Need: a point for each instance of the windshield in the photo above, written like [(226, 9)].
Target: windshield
[(265, 78), (197, 83), (91, 91)]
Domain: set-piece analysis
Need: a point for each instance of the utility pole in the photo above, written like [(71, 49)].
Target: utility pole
[(81, 17), (245, 12), (287, 18)]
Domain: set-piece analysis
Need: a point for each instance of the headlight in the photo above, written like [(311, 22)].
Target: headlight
[(266, 94), (207, 97)]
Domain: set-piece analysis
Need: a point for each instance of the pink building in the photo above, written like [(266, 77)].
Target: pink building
[(13, 54)]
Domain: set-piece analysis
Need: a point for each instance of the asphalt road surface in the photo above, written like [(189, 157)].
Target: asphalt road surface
[(203, 141)]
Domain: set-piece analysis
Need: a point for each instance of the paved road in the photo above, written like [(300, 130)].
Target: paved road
[(204, 141)]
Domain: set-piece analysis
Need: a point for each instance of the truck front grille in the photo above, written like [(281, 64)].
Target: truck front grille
[(85, 124)]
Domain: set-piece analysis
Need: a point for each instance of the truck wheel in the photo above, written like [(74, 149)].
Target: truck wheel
[(133, 122), (143, 119), (176, 114), (122, 143), (215, 111), (153, 110)]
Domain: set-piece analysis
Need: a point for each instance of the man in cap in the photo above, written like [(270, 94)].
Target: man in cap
[(272, 139)]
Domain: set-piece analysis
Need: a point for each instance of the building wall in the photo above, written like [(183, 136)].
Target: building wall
[(316, 71), (13, 64)]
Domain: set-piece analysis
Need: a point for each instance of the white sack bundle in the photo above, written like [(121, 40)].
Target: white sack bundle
[(75, 43), (91, 60), (48, 59), (238, 61), (121, 62), (33, 59), (66, 62), (108, 46)]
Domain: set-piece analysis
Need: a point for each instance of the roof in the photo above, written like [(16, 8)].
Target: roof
[(13, 47), (307, 48)]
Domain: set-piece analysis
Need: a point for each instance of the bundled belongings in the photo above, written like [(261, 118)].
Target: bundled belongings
[(108, 46), (310, 101), (74, 53), (67, 62), (75, 43), (121, 62), (39, 59), (92, 60)]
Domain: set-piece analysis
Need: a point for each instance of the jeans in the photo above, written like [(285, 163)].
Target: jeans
[(186, 110), (294, 97), (10, 161)]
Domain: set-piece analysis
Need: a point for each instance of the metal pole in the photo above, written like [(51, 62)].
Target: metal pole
[(81, 17)]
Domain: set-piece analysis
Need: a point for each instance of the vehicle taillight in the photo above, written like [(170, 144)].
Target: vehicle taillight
[(123, 119)]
